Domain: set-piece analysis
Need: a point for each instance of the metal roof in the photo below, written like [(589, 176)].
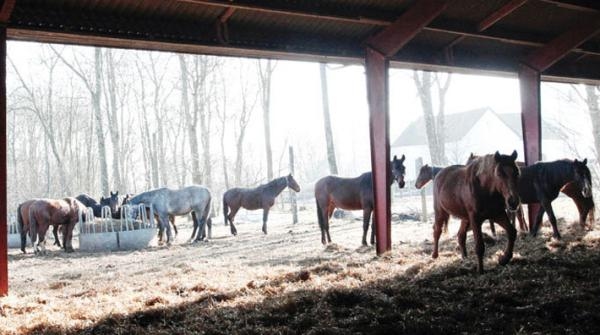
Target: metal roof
[(464, 36)]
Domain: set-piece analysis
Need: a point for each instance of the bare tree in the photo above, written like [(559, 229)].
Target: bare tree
[(221, 112), (327, 120), (248, 102), (93, 83), (265, 74), (434, 124)]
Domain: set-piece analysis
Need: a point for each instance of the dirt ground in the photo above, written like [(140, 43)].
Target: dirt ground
[(286, 282)]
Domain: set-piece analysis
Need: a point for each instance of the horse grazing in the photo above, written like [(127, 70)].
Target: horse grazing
[(23, 221), (168, 202), (46, 212), (481, 190), (112, 202), (259, 197), (542, 181), (333, 192)]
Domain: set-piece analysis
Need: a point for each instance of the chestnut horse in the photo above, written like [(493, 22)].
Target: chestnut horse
[(259, 197), (46, 212), (481, 190), (23, 221), (333, 192)]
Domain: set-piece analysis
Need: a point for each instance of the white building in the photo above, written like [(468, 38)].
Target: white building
[(478, 131)]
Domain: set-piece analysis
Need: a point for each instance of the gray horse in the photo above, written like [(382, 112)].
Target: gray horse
[(169, 202)]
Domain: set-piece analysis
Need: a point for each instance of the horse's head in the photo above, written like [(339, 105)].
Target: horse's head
[(398, 170), (583, 177), (471, 158), (425, 175), (291, 183), (507, 173)]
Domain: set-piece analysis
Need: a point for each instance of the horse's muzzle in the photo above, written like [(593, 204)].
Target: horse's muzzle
[(512, 204), (401, 183)]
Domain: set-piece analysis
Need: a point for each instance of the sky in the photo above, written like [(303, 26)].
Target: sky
[(296, 110)]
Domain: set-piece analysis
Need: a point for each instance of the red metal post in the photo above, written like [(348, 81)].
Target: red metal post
[(531, 119), (376, 66), (3, 164)]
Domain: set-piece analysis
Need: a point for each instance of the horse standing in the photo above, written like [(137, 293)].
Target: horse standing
[(542, 181), (481, 190), (46, 212), (23, 221), (112, 202), (333, 192), (169, 202), (259, 197)]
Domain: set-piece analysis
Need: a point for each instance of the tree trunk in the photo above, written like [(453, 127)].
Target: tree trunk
[(112, 116), (265, 74), (327, 120), (96, 95), (592, 103)]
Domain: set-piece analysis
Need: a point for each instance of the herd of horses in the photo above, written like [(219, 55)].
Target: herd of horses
[(490, 187)]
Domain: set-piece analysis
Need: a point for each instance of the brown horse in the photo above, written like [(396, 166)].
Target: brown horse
[(481, 190), (259, 197), (333, 192), (23, 221), (46, 212)]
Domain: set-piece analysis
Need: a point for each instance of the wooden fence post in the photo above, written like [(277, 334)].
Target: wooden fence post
[(418, 165), (292, 192)]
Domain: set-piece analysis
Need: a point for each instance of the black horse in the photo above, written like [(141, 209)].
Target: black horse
[(542, 181), (259, 197), (112, 202)]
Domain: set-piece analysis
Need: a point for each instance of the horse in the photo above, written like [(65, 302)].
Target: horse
[(333, 192), (169, 202), (483, 189), (541, 182), (426, 174), (125, 201), (552, 182), (262, 196), (23, 221), (46, 212), (112, 202)]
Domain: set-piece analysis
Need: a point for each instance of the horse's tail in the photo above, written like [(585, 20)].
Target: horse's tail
[(32, 226), (21, 228), (320, 216), (225, 209), (592, 211)]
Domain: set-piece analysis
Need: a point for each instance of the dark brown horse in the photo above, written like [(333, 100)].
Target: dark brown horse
[(112, 202), (333, 192), (482, 190), (259, 197), (46, 212)]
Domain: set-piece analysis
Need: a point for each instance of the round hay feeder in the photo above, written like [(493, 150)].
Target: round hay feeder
[(106, 233)]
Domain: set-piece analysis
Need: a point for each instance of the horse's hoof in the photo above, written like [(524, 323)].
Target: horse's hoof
[(503, 260), (69, 250), (556, 236), (434, 255), (364, 243)]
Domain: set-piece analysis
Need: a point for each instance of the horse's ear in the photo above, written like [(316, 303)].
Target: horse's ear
[(402, 159), (471, 156), (575, 161), (584, 161), (514, 155), (395, 158), (497, 156)]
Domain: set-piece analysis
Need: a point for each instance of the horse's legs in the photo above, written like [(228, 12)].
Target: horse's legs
[(492, 227), (511, 231), (195, 225), (521, 218), (172, 220), (231, 216), (42, 238), (330, 209), (55, 233), (265, 217), (478, 238), (68, 236), (548, 207), (441, 218), (462, 237), (163, 221), (538, 221), (366, 220)]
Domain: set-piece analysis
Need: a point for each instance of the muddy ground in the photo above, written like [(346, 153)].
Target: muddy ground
[(287, 283)]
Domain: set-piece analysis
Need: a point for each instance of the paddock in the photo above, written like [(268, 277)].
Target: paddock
[(287, 282)]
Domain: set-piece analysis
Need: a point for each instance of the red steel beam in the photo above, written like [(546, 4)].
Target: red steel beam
[(391, 39), (556, 49), (499, 14), (531, 121), (376, 66), (3, 164)]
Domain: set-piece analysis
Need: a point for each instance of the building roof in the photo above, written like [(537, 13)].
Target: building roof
[(491, 35), (459, 124)]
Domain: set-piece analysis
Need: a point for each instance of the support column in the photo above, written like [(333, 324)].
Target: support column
[(531, 120), (3, 164), (376, 66)]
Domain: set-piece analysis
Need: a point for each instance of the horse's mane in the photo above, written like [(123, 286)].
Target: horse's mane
[(482, 165)]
